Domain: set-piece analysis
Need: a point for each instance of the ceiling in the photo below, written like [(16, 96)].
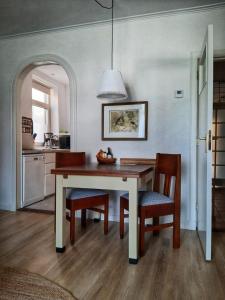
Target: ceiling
[(22, 16), (56, 72)]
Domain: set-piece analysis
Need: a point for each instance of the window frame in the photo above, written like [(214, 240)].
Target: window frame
[(46, 90)]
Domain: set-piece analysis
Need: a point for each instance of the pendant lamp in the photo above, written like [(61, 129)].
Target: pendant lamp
[(112, 86)]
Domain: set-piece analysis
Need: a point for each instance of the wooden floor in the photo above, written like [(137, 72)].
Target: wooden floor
[(46, 205), (218, 209), (96, 267)]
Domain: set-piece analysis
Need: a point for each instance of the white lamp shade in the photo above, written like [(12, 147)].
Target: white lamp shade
[(112, 86)]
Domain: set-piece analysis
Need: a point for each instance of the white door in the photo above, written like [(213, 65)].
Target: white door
[(204, 147)]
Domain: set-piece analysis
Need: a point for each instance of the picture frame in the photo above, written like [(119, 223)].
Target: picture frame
[(125, 121)]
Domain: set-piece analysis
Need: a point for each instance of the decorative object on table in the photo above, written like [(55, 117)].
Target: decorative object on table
[(125, 121), (112, 86), (109, 153), (104, 157)]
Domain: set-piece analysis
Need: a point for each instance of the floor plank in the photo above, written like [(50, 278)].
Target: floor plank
[(218, 206), (96, 267)]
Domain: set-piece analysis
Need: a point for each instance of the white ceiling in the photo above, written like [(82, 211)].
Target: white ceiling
[(56, 72), (21, 16)]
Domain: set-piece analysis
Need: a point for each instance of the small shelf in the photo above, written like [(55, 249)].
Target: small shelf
[(218, 165), (218, 123), (218, 150)]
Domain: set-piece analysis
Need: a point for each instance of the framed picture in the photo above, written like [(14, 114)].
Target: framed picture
[(126, 121)]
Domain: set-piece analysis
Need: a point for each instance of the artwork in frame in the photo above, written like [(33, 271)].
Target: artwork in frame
[(125, 121)]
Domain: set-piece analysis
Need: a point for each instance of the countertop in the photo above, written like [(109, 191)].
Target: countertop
[(43, 150)]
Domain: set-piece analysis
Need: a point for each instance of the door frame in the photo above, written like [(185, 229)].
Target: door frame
[(194, 114), (23, 69)]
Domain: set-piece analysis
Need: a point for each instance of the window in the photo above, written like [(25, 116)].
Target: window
[(40, 110)]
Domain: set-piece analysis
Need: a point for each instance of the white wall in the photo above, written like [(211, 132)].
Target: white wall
[(26, 96), (153, 54)]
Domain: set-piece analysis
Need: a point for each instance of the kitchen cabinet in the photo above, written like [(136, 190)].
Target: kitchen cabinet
[(33, 179), (49, 179)]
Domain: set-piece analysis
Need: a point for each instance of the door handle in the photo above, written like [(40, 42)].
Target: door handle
[(202, 139), (207, 139)]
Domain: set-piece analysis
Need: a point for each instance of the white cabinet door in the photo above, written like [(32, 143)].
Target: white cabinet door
[(33, 179), (49, 167), (49, 158), (49, 184), (49, 178)]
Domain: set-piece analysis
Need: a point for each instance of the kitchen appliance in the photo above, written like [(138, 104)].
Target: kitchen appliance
[(33, 179), (27, 133), (64, 141), (51, 140), (48, 137)]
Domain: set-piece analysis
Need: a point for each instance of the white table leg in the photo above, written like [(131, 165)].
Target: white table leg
[(60, 214), (133, 221)]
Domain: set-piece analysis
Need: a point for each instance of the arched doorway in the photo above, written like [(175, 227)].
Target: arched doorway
[(24, 69)]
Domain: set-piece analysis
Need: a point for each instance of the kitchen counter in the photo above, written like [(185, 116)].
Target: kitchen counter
[(43, 150)]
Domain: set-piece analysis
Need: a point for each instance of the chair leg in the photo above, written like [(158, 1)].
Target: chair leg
[(83, 217), (176, 230), (121, 219), (156, 222), (72, 227), (142, 234), (106, 216)]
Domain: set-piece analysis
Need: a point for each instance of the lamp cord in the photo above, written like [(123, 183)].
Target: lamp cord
[(112, 45), (112, 8), (103, 5)]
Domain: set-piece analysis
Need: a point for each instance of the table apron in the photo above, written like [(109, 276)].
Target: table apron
[(98, 182)]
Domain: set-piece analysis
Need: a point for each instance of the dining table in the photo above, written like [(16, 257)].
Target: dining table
[(127, 178)]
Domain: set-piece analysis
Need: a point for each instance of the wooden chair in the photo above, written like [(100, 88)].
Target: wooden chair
[(82, 199), (156, 203)]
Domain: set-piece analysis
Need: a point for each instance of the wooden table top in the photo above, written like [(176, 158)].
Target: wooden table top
[(94, 169)]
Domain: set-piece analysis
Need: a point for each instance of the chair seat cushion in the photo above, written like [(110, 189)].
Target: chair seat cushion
[(76, 194), (146, 198)]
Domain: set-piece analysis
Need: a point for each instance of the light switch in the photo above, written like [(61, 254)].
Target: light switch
[(179, 94)]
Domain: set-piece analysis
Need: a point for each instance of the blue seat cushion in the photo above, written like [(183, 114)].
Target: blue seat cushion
[(150, 198), (76, 194)]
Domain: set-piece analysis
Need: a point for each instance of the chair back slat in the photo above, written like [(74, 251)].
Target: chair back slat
[(168, 165), (167, 182), (137, 161)]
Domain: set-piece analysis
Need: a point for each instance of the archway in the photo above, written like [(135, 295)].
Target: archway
[(27, 66)]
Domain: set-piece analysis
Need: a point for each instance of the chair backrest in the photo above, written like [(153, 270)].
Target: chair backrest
[(168, 165), (67, 159), (137, 161)]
